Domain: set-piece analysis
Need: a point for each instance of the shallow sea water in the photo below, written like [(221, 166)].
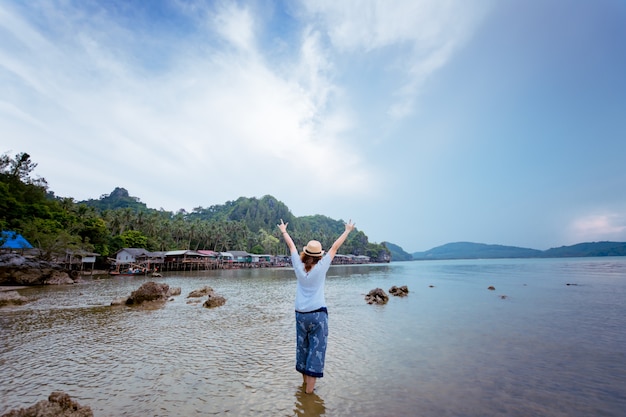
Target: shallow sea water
[(534, 346)]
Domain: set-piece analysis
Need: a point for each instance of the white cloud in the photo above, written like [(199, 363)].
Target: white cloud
[(599, 227), (224, 114), (236, 25), (428, 33)]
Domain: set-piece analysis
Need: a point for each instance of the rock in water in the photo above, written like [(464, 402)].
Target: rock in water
[(59, 404), (206, 290), (402, 291), (214, 300), (150, 291), (12, 298), (377, 296)]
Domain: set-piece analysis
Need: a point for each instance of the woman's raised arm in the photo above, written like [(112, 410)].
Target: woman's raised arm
[(283, 229), (333, 249)]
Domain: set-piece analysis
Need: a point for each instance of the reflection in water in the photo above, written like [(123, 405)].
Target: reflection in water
[(308, 405)]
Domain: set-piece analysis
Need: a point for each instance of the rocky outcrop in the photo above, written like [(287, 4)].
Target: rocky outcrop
[(206, 290), (402, 291), (213, 300), (59, 404), (377, 296), (149, 292), (19, 270), (59, 278), (12, 298)]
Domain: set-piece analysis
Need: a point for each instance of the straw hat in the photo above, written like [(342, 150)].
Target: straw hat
[(314, 249)]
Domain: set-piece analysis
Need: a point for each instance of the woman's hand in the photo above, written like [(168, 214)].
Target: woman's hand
[(283, 226), (349, 226), (283, 229)]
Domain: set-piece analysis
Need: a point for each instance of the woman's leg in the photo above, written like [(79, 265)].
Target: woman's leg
[(311, 335), (310, 383), (302, 344), (318, 336)]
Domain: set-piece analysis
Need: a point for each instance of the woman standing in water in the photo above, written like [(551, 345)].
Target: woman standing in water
[(310, 267)]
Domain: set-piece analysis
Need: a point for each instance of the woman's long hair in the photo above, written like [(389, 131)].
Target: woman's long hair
[(309, 261)]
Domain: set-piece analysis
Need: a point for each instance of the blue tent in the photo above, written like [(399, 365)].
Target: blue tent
[(13, 240)]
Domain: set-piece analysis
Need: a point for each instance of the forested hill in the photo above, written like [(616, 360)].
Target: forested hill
[(244, 224), (257, 214), (397, 253), (468, 250), (56, 225)]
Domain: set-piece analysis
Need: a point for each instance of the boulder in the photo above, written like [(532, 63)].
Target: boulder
[(206, 290), (59, 278), (214, 300), (59, 404), (19, 270), (12, 298), (402, 291), (150, 291), (377, 296)]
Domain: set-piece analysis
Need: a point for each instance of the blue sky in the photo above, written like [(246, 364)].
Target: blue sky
[(424, 121)]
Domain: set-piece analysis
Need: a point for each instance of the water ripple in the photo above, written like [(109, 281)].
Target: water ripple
[(450, 348)]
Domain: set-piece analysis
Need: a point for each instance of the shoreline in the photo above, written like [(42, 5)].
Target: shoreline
[(12, 287)]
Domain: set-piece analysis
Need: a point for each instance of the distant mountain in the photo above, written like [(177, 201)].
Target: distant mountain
[(468, 250), (588, 249), (397, 253)]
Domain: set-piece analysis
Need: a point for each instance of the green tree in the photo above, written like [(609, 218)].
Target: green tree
[(51, 239), (269, 242), (134, 239)]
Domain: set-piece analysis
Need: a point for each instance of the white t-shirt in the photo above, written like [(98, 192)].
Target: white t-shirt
[(310, 287)]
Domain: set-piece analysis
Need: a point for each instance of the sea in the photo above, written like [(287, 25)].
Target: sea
[(549, 339)]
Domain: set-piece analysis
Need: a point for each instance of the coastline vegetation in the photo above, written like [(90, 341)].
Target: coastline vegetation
[(56, 225)]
